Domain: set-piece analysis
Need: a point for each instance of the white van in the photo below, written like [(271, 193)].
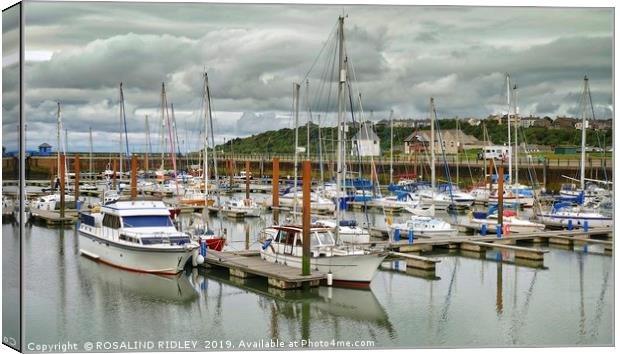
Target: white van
[(496, 152)]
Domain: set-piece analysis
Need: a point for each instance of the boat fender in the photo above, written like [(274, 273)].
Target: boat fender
[(330, 278), (200, 259)]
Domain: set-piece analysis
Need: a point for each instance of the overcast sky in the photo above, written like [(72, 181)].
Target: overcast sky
[(79, 52)]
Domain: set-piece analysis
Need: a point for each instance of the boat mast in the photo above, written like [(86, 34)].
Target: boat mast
[(205, 169), (163, 128), (296, 96), (148, 143), (342, 73), (391, 146), (120, 131), (433, 113), (58, 123), (321, 153), (582, 180), (509, 137), (516, 112), (212, 138), (90, 157)]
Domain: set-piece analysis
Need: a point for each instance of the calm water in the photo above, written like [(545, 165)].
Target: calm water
[(474, 302)]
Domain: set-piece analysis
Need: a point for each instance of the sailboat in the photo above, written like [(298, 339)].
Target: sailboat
[(349, 265), (200, 230), (586, 206), (52, 201), (419, 223)]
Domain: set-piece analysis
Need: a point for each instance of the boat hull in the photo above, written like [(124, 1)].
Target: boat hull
[(353, 270), (577, 220), (139, 259)]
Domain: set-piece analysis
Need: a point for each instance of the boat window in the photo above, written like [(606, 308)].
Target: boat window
[(146, 221), (111, 221), (322, 239)]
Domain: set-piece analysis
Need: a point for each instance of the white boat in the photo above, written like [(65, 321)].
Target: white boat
[(511, 221), (349, 266), (481, 194), (52, 201), (348, 230), (428, 198), (563, 213), (592, 191), (424, 226), (515, 194), (458, 198), (137, 236), (317, 202), (401, 200), (248, 207)]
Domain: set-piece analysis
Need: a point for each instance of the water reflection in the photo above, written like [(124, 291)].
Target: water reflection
[(109, 281), (318, 304)]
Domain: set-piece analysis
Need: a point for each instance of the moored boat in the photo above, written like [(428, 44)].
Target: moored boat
[(137, 236)]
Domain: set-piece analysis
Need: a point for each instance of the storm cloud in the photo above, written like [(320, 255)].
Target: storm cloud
[(78, 53)]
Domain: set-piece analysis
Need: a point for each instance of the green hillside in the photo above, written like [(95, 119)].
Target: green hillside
[(282, 141)]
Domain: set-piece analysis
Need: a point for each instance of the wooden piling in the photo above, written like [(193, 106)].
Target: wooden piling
[(134, 176), (62, 186), (307, 182), (77, 178), (275, 192)]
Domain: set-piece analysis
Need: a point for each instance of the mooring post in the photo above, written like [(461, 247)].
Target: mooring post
[(114, 173), (77, 181), (500, 200), (247, 179), (275, 192), (62, 185), (307, 181), (134, 176)]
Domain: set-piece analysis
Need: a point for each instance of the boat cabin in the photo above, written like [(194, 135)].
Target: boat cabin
[(134, 222), (289, 240)]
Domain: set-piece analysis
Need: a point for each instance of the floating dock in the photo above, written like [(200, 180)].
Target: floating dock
[(53, 218), (249, 264)]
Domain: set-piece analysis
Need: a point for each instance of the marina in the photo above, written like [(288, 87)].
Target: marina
[(327, 183)]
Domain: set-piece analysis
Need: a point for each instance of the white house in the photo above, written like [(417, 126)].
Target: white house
[(365, 142)]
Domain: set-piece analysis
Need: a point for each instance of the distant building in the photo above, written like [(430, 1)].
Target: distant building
[(474, 122), (563, 123), (45, 149), (601, 124), (527, 122), (366, 142), (451, 139), (544, 122)]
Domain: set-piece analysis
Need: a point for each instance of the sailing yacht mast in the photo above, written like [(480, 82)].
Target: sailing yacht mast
[(120, 131), (391, 146), (205, 168), (584, 122), (516, 112), (163, 127), (58, 123), (296, 95), (214, 157), (433, 113), (342, 73), (148, 143), (90, 156), (309, 120), (509, 138)]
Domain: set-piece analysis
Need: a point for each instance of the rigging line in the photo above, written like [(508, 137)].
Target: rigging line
[(445, 160), (359, 156), (332, 33), (361, 108), (125, 123), (596, 133)]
